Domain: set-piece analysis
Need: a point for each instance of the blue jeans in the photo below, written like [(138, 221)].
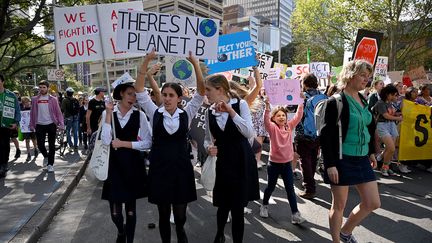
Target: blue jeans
[(285, 171), (72, 123)]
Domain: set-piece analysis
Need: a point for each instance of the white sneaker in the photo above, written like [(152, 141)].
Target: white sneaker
[(297, 218), (264, 211), (50, 168), (70, 149), (403, 168), (45, 161), (172, 218)]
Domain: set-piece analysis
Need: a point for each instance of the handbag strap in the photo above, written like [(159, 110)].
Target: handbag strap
[(100, 127)]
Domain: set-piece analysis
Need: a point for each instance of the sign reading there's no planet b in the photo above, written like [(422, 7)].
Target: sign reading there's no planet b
[(283, 91), (234, 51), (180, 70), (171, 35)]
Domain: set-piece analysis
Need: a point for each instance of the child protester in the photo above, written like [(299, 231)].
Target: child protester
[(281, 156), (25, 129)]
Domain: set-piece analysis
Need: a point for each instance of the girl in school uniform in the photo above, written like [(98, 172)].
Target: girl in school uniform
[(127, 176), (171, 175), (230, 124)]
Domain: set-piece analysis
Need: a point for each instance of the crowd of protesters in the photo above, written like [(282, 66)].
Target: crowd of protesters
[(237, 123)]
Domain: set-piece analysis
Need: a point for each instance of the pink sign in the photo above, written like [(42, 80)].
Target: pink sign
[(283, 91)]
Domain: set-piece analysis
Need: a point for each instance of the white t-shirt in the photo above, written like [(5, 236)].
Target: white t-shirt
[(44, 117)]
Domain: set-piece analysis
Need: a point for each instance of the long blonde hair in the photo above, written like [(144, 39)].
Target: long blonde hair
[(219, 81)]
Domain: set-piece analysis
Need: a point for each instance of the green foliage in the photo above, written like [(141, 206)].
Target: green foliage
[(23, 50), (328, 27), (287, 54)]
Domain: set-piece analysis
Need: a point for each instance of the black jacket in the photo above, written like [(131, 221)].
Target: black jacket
[(329, 138)]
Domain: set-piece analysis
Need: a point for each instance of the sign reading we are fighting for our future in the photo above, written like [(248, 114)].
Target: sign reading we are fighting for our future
[(87, 33), (173, 35)]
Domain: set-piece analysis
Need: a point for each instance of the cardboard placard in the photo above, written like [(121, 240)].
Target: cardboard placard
[(172, 35), (180, 70), (283, 91), (320, 69)]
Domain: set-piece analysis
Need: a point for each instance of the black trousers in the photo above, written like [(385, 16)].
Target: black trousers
[(5, 134), (41, 132)]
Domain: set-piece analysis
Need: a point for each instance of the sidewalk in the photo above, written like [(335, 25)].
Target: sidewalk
[(29, 195)]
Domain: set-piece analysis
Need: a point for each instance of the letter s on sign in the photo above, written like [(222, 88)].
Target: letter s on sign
[(417, 141)]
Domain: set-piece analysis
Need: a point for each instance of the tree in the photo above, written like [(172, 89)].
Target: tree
[(287, 54), (21, 49), (332, 27)]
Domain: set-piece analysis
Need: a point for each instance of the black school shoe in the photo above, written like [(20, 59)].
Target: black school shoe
[(17, 154)]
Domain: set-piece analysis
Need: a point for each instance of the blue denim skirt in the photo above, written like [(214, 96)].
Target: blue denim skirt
[(352, 170)]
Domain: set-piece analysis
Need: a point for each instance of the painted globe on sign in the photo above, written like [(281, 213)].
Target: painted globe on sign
[(208, 27), (182, 69)]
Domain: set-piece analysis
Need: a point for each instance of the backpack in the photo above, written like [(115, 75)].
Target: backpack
[(74, 106), (309, 115), (319, 113)]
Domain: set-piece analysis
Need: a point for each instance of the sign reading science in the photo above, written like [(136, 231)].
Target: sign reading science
[(173, 35)]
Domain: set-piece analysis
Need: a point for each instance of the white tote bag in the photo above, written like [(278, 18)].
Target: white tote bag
[(100, 157), (208, 172)]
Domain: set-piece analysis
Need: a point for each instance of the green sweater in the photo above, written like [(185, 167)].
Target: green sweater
[(357, 139)]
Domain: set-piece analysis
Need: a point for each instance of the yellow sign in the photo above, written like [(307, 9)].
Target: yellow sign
[(282, 67), (416, 132), (53, 89)]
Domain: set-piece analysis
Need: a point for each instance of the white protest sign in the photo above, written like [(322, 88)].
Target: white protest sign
[(55, 74), (290, 73), (273, 73), (381, 66), (320, 69), (172, 35), (25, 122), (108, 18), (77, 34), (264, 65), (180, 70), (347, 57), (265, 61), (300, 70)]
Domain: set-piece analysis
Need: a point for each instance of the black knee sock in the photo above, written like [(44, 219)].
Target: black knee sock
[(179, 211), (237, 214), (130, 220), (117, 216), (164, 223), (222, 217)]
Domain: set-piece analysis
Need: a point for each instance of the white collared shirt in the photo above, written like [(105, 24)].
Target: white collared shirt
[(170, 122), (144, 133), (243, 121)]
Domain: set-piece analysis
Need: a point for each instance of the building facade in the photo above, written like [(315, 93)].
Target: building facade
[(277, 11)]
